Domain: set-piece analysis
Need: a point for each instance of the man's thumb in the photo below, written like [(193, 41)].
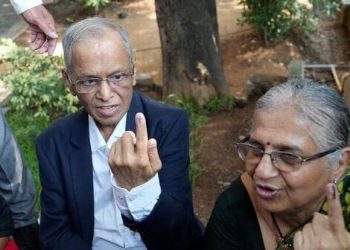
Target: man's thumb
[(48, 29), (153, 156)]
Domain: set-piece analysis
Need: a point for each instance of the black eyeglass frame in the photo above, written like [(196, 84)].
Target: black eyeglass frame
[(302, 159), (100, 80)]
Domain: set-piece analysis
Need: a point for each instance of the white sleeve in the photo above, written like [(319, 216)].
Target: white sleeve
[(139, 202), (22, 5)]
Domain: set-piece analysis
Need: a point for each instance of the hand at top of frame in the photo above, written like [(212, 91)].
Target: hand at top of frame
[(134, 159), (43, 37), (325, 231)]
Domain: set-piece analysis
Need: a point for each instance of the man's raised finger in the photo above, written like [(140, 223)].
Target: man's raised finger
[(153, 155), (141, 133)]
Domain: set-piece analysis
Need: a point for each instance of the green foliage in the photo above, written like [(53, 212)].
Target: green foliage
[(197, 114), (36, 83), (198, 117), (328, 7), (195, 170), (38, 97), (215, 103), (275, 19), (96, 4)]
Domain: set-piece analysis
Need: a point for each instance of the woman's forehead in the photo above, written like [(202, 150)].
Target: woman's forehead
[(282, 126)]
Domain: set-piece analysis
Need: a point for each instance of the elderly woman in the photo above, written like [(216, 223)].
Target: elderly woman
[(296, 150)]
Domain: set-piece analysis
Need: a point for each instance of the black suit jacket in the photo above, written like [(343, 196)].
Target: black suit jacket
[(65, 163)]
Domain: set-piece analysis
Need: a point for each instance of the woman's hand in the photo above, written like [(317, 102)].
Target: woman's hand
[(325, 231)]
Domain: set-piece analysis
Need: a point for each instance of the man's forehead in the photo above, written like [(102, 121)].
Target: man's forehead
[(104, 38)]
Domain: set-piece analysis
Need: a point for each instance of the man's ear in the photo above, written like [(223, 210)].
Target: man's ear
[(343, 164), (67, 82)]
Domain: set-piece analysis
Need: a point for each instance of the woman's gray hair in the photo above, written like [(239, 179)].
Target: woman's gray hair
[(319, 105), (91, 28)]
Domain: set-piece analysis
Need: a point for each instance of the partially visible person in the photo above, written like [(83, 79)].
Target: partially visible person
[(296, 150), (43, 36), (17, 188), (6, 224), (115, 173)]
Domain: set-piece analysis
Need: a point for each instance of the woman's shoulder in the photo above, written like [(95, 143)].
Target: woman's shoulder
[(234, 199), (233, 223)]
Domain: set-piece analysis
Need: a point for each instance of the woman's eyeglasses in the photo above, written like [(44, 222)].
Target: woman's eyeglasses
[(284, 161)]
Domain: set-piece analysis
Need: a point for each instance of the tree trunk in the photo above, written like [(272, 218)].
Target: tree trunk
[(191, 55)]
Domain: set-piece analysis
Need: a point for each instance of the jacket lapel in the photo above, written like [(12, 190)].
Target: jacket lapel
[(81, 173), (81, 165)]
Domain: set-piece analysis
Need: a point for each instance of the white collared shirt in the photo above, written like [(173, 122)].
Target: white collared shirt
[(110, 200), (22, 5)]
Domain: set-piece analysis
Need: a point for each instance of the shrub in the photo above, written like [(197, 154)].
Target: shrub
[(36, 83), (96, 4), (38, 97), (215, 103), (274, 19)]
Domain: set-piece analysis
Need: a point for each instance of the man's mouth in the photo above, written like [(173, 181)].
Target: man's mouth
[(108, 110)]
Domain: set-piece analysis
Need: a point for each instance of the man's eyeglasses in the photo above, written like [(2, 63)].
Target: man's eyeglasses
[(91, 84), (284, 161)]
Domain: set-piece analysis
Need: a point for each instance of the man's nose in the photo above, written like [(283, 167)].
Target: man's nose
[(104, 92)]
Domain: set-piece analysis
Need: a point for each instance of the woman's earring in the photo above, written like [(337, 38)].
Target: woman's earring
[(334, 181)]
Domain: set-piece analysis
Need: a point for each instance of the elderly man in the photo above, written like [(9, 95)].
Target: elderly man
[(105, 183)]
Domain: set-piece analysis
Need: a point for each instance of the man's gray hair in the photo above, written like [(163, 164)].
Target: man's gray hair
[(318, 104), (88, 29)]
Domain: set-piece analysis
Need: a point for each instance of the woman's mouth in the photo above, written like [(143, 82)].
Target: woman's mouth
[(266, 192)]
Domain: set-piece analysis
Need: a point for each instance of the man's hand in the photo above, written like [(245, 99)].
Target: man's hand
[(134, 159), (43, 37), (325, 231)]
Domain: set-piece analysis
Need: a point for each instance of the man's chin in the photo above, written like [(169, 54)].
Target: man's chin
[(109, 121)]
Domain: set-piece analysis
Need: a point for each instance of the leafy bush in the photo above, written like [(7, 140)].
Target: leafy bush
[(215, 103), (36, 83), (274, 19), (196, 113), (38, 97), (329, 7), (96, 4)]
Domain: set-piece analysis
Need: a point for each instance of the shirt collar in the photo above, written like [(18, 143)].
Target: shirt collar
[(96, 139)]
